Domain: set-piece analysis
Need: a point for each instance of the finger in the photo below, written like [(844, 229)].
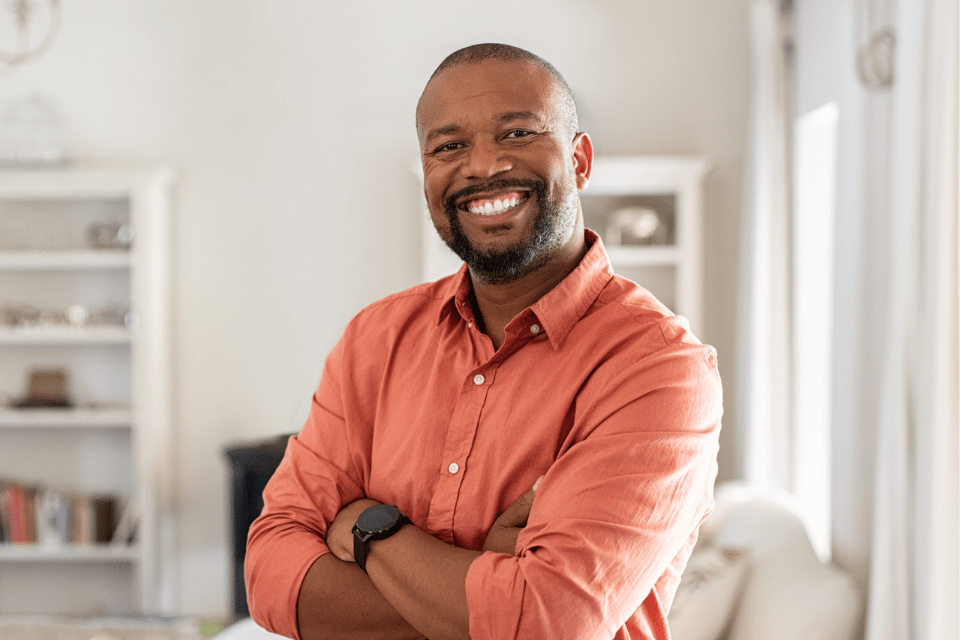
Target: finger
[(536, 485), (517, 513)]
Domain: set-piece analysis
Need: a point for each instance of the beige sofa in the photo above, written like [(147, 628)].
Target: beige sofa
[(754, 575)]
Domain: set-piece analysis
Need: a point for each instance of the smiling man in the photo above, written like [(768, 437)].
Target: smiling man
[(524, 449)]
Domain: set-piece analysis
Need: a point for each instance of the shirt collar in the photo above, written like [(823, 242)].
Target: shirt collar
[(562, 307)]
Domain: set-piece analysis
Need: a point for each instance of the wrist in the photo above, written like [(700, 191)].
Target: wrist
[(377, 522), (339, 537)]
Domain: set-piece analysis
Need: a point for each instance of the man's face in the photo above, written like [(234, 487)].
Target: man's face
[(500, 166)]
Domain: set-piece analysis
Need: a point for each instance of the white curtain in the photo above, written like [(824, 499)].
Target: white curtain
[(914, 564), (763, 321)]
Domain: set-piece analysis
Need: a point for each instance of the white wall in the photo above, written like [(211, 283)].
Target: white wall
[(291, 124)]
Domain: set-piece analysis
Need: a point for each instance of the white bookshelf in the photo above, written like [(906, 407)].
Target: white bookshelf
[(672, 186), (115, 438)]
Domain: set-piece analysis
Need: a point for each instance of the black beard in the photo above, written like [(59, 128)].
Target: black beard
[(528, 255)]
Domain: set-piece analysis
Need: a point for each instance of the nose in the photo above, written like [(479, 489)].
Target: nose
[(485, 159)]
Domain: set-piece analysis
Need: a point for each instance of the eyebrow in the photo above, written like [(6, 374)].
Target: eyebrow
[(508, 116)]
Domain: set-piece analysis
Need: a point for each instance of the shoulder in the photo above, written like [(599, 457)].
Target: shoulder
[(630, 339), (639, 314), (417, 308), (413, 301)]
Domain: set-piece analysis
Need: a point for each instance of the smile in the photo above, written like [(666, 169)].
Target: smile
[(493, 206)]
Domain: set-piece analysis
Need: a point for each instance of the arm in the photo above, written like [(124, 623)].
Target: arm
[(337, 600), (293, 583), (288, 566), (607, 537), (422, 578), (618, 511), (398, 567)]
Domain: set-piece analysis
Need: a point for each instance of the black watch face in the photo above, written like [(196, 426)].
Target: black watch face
[(378, 518)]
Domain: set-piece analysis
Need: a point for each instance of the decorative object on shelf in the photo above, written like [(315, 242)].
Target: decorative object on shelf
[(636, 226), (9, 314), (23, 15), (110, 235), (48, 388), (76, 315), (31, 133)]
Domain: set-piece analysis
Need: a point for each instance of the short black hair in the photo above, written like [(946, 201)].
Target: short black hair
[(495, 51)]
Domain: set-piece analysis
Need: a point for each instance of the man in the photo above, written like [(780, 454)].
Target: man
[(548, 428)]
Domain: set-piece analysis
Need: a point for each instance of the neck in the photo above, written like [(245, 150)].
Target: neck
[(498, 304)]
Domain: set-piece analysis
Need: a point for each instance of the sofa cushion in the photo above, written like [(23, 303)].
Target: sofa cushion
[(708, 592), (790, 594)]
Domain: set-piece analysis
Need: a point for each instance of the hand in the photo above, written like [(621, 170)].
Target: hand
[(502, 537), (340, 531)]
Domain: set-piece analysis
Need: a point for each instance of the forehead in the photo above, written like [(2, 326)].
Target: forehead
[(485, 91)]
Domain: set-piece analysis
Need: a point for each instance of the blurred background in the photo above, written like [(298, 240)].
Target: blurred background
[(290, 128)]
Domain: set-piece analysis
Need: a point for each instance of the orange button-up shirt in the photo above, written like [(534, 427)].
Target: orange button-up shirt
[(597, 387)]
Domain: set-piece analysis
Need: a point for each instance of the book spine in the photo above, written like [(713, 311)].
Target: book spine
[(32, 514)]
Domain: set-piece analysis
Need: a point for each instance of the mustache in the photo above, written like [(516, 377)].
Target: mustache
[(535, 186)]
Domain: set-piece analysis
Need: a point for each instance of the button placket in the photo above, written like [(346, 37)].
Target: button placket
[(460, 437)]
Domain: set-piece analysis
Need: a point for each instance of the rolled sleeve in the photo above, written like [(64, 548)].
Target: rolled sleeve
[(617, 514), (305, 493)]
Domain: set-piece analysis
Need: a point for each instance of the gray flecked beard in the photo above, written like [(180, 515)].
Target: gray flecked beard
[(500, 266)]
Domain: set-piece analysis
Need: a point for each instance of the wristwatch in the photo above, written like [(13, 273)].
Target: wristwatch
[(375, 523)]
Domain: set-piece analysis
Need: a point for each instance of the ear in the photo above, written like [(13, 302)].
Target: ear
[(582, 159)]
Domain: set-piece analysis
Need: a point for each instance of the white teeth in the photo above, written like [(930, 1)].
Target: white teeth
[(497, 206)]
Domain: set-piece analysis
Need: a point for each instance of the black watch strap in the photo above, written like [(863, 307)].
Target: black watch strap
[(376, 523)]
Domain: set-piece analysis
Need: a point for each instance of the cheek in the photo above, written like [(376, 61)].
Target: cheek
[(434, 200), (442, 226), (435, 188)]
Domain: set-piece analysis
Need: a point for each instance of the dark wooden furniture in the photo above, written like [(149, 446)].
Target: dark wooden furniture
[(252, 465)]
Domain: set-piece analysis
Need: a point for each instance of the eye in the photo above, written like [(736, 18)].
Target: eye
[(448, 146), (518, 133)]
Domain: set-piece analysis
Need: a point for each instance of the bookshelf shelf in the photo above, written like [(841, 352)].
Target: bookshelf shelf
[(68, 553), (69, 260), (81, 418), (643, 256), (55, 335)]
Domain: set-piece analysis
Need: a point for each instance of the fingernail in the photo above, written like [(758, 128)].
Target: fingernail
[(536, 485)]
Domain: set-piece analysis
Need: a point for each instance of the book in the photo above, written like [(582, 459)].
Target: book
[(31, 514)]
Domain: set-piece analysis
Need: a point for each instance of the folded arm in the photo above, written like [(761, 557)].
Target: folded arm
[(617, 512), (411, 573)]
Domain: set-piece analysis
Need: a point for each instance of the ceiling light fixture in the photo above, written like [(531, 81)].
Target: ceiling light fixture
[(27, 47)]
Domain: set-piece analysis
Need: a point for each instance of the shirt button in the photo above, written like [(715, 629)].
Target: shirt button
[(534, 329), (470, 325), (478, 379), (453, 468)]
